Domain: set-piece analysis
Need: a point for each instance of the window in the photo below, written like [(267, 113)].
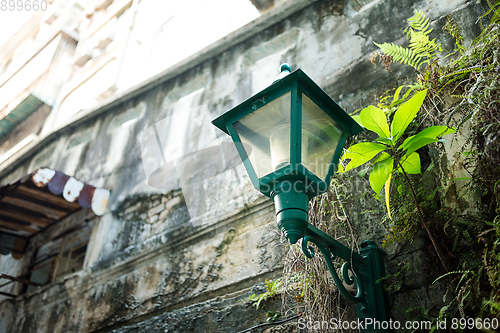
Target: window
[(62, 256)]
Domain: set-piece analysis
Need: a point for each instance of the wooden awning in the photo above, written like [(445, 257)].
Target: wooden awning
[(38, 200)]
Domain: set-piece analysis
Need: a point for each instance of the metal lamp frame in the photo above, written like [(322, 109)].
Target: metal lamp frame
[(292, 186)]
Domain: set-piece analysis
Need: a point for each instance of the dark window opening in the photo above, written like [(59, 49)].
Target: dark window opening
[(61, 256)]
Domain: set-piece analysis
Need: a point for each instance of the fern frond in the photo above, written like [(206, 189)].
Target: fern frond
[(421, 49), (419, 22), (403, 55), (421, 44), (463, 71)]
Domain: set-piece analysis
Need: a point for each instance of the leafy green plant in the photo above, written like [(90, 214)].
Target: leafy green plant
[(272, 315), (494, 10), (273, 288), (389, 103), (390, 154), (421, 49), (454, 30), (404, 228), (394, 282)]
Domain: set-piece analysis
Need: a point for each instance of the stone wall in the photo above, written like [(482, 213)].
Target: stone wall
[(186, 236)]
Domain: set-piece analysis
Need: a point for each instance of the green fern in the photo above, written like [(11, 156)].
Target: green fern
[(419, 22), (421, 50), (421, 44), (401, 54)]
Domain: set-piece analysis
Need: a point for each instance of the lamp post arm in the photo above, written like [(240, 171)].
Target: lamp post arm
[(366, 268), (335, 247), (327, 254)]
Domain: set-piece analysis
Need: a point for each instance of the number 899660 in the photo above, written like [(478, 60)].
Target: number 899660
[(23, 5)]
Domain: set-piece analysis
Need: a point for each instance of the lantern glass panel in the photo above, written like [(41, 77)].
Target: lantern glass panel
[(320, 138), (265, 134)]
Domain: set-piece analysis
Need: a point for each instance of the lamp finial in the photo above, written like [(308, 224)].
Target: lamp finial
[(285, 67)]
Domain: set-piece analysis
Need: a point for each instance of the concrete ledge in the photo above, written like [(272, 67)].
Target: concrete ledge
[(88, 278)]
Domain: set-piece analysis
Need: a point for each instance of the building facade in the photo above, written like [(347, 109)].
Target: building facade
[(109, 92)]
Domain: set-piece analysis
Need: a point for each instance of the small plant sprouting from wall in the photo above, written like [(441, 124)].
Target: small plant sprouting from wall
[(295, 285), (421, 49), (273, 289)]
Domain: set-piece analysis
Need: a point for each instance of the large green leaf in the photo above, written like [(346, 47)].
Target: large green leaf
[(405, 143), (361, 153), (380, 173), (384, 140), (374, 119), (419, 144), (411, 164), (430, 132), (405, 114), (381, 157)]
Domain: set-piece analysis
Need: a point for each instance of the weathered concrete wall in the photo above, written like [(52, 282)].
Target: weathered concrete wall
[(185, 235)]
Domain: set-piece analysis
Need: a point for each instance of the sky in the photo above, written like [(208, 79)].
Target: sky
[(11, 21)]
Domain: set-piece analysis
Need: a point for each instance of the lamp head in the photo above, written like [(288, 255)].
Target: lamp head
[(290, 130), (290, 137)]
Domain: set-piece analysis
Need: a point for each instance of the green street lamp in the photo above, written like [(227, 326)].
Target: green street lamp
[(290, 137)]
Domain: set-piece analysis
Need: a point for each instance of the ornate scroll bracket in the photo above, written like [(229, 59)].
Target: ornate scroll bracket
[(367, 268), (348, 279)]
